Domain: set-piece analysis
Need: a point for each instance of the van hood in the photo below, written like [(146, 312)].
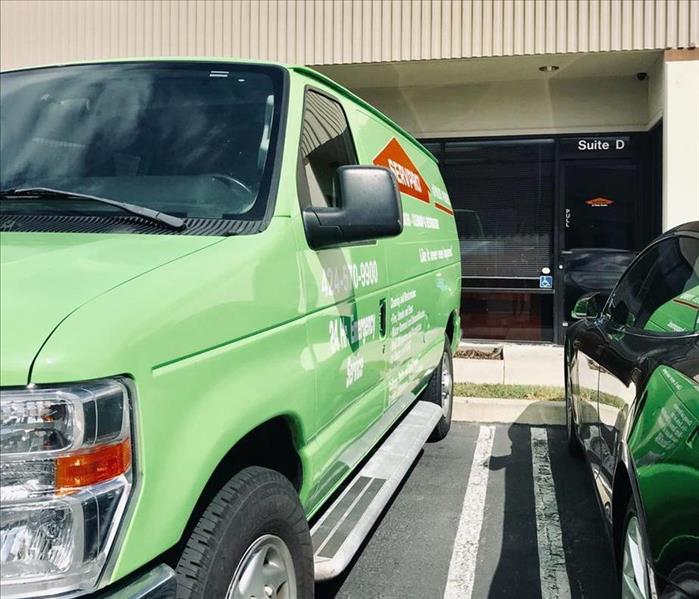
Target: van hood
[(44, 277)]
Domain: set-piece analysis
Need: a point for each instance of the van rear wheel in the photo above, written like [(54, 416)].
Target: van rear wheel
[(252, 541), (440, 390)]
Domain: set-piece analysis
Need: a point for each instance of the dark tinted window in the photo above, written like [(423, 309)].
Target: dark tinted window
[(435, 148), (326, 144), (660, 292), (515, 316), (601, 205), (502, 195), (192, 139)]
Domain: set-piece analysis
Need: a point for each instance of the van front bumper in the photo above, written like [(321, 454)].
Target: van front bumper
[(157, 583)]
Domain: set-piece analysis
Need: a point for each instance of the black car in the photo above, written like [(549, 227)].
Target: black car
[(632, 406)]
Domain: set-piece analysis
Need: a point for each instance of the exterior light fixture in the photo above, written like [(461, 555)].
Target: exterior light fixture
[(549, 68)]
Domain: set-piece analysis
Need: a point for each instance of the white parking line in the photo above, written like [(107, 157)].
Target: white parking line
[(552, 559), (462, 568)]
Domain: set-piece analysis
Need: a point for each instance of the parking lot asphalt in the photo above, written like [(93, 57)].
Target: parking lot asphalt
[(520, 520)]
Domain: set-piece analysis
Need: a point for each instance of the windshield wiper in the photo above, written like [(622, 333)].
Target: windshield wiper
[(173, 222)]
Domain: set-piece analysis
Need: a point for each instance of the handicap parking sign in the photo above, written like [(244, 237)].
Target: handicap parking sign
[(546, 282)]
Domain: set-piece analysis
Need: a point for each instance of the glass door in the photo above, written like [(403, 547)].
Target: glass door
[(601, 228)]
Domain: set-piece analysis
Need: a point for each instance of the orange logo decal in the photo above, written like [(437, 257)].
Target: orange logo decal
[(410, 182), (599, 202)]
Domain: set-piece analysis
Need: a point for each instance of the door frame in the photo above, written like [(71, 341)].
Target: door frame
[(649, 218)]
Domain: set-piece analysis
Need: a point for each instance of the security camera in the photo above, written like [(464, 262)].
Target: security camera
[(641, 76)]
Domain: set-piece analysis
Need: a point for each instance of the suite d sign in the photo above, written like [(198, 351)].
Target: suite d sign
[(596, 147), (591, 145)]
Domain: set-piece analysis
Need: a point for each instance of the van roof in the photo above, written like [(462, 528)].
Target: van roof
[(313, 74), (303, 70)]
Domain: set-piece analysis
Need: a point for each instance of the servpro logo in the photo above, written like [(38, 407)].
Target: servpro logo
[(599, 202), (410, 182), (405, 176)]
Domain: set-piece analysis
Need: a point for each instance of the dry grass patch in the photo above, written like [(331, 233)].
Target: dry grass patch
[(538, 392)]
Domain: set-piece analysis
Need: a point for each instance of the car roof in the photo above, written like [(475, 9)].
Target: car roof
[(690, 227)]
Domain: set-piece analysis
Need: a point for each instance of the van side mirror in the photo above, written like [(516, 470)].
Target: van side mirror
[(369, 208), (589, 306)]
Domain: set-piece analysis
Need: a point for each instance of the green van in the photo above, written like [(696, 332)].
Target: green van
[(229, 303)]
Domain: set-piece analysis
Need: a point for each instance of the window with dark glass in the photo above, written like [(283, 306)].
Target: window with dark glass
[(326, 144), (435, 148), (190, 139), (660, 292), (602, 200), (502, 194), (507, 315)]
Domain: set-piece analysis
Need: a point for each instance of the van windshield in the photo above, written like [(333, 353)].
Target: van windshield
[(194, 140)]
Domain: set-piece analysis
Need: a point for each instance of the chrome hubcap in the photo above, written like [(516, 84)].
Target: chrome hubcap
[(265, 572), (634, 584), (447, 385)]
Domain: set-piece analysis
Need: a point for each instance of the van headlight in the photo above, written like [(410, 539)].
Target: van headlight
[(65, 478)]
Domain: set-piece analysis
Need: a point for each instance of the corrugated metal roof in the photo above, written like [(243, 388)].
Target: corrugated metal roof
[(337, 31)]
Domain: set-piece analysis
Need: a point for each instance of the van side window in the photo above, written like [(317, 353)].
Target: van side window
[(326, 144)]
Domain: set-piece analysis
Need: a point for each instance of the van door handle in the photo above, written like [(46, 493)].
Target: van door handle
[(382, 317)]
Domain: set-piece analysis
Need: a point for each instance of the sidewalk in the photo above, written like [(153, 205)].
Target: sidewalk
[(515, 364), (509, 411)]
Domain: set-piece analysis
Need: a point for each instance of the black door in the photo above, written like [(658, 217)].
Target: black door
[(601, 204)]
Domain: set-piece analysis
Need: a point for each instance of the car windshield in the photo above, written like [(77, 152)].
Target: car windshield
[(195, 140)]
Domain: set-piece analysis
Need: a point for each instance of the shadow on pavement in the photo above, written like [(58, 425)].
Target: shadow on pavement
[(589, 559), (407, 555)]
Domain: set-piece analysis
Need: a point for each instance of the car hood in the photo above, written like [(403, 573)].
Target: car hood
[(44, 277)]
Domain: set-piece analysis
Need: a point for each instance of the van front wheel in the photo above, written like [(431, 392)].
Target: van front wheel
[(440, 390), (252, 541)]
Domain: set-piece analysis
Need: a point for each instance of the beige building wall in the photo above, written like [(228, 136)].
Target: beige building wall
[(517, 107), (681, 139), (337, 31), (656, 91)]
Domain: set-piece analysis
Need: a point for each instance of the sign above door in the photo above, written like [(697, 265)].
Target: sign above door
[(618, 146)]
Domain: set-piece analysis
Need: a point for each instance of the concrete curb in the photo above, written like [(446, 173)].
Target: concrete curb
[(515, 365), (509, 411)]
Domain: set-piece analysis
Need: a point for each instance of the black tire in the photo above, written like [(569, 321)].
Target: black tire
[(574, 446), (254, 503), (433, 393), (630, 513)]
